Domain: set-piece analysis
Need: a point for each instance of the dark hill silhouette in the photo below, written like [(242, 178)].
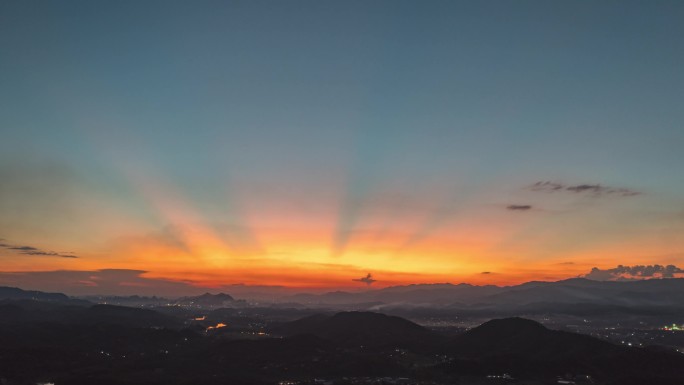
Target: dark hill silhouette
[(208, 300), (361, 329), (113, 345), (14, 293), (132, 317), (214, 297), (523, 337), (36, 312), (304, 356), (526, 348)]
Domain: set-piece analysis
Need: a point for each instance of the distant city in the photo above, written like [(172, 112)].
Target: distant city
[(593, 333)]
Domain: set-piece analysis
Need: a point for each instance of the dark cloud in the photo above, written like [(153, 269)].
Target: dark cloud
[(566, 263), (23, 248), (50, 254), (623, 273), (547, 186), (518, 207), (592, 189), (597, 189), (30, 250), (486, 272)]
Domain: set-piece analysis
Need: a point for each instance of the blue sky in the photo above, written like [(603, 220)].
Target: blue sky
[(337, 116)]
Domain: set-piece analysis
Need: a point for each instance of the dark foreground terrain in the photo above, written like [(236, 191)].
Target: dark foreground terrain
[(59, 341)]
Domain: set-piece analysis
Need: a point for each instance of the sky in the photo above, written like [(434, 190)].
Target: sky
[(166, 147)]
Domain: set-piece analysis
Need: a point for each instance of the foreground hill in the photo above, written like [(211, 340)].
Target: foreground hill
[(528, 349), (529, 339), (47, 342), (361, 329)]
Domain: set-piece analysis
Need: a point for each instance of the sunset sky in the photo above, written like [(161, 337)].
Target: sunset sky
[(169, 147)]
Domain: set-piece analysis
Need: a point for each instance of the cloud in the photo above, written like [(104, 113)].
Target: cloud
[(518, 207), (486, 272), (128, 282), (625, 273), (547, 186), (585, 188), (23, 248), (49, 254), (30, 250)]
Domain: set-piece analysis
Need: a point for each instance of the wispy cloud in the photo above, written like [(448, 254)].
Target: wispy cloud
[(519, 207), (30, 250), (625, 273), (50, 254), (584, 188), (23, 248)]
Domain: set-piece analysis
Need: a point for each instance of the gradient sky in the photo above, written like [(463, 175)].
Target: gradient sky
[(164, 146)]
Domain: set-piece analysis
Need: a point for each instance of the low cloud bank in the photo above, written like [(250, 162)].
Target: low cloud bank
[(628, 273)]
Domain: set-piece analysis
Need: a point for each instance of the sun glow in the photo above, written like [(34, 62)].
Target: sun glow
[(300, 242)]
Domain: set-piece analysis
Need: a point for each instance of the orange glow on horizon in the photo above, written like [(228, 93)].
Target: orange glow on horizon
[(282, 246)]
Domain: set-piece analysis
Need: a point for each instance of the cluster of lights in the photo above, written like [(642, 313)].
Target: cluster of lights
[(505, 376), (674, 327), (255, 333), (218, 326)]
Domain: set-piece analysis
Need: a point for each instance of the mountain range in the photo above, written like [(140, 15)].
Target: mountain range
[(653, 292), (639, 293), (60, 342)]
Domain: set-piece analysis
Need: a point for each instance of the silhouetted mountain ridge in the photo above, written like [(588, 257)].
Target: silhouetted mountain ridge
[(653, 292), (207, 300), (16, 293)]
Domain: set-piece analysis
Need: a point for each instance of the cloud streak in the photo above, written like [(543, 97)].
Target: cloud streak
[(30, 250), (626, 273), (585, 188), (519, 207)]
